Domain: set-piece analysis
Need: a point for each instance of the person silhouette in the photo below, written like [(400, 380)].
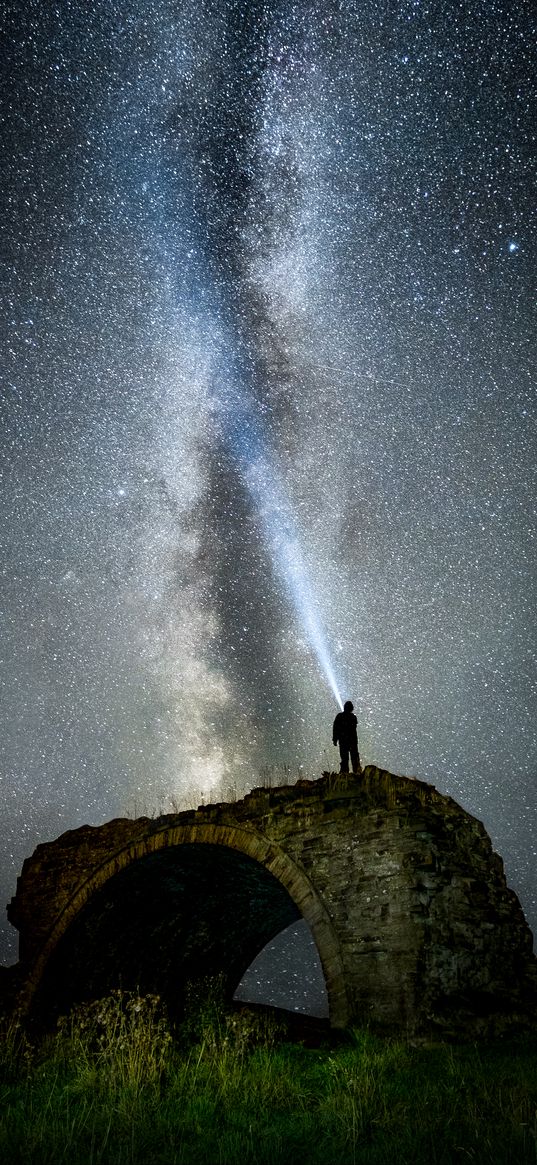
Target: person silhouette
[(344, 733)]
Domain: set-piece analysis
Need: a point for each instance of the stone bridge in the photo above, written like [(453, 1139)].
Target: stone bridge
[(407, 903)]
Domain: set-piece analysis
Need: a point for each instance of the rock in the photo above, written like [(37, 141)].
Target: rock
[(416, 928)]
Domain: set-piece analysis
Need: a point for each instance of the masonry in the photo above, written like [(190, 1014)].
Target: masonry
[(415, 926)]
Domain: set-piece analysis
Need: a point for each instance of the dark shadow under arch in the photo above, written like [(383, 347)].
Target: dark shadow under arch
[(179, 909), (172, 918)]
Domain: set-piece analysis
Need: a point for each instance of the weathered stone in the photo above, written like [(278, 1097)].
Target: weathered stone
[(415, 926)]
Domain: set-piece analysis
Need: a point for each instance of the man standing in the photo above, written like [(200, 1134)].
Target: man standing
[(344, 733)]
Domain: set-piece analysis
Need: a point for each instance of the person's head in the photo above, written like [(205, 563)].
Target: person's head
[(348, 706)]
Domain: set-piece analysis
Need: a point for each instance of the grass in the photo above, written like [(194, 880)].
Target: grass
[(112, 1086)]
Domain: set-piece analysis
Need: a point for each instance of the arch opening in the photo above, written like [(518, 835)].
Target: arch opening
[(167, 920), (287, 974)]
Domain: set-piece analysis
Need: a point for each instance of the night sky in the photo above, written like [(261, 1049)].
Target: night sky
[(267, 378)]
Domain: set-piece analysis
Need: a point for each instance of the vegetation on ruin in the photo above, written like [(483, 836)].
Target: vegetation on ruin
[(114, 1085)]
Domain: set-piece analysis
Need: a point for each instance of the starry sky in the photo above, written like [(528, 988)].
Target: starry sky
[(268, 405)]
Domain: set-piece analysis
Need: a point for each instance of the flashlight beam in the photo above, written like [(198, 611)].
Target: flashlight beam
[(246, 440)]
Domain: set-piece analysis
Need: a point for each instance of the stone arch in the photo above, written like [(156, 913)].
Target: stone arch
[(245, 841)]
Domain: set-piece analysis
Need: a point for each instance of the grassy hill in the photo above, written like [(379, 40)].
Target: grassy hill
[(114, 1085)]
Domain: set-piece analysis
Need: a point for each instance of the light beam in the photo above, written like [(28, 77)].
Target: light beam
[(244, 435)]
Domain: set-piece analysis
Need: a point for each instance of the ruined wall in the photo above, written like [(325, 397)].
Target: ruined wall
[(408, 904)]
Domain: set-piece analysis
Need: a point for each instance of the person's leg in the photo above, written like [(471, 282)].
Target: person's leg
[(355, 758), (344, 754)]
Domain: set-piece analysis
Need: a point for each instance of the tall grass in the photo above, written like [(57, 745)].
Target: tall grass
[(113, 1086)]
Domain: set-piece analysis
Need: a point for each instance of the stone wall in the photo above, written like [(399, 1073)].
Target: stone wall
[(409, 907)]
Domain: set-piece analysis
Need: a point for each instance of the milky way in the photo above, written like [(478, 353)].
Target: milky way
[(267, 260)]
